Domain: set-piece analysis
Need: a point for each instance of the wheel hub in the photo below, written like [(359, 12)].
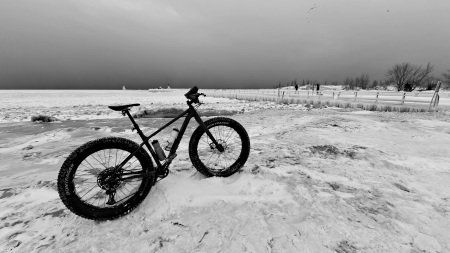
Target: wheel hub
[(214, 148), (108, 180)]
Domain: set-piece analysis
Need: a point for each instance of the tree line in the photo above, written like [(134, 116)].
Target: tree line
[(403, 76)]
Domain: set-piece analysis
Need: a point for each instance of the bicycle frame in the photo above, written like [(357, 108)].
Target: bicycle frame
[(190, 113)]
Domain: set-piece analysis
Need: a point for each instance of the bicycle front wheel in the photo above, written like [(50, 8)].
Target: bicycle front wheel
[(207, 159), (89, 187)]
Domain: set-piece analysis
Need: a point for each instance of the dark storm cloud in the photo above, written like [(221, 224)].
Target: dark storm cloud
[(144, 44)]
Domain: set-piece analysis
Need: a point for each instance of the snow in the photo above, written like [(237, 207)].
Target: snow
[(317, 180)]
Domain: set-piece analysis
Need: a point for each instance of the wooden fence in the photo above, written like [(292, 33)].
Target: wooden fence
[(385, 97)]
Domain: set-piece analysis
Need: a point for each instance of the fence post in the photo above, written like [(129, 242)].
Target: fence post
[(403, 99), (376, 100), (435, 98)]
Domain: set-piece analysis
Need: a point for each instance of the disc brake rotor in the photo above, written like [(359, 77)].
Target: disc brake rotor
[(221, 142), (108, 181)]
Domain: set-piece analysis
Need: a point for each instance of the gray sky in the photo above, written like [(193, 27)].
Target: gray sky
[(235, 43)]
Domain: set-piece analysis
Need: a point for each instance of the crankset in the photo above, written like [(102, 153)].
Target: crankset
[(163, 171)]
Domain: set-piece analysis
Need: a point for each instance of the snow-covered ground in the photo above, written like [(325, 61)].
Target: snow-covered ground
[(320, 180)]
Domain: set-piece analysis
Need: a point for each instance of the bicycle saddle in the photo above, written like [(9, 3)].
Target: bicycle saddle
[(122, 107)]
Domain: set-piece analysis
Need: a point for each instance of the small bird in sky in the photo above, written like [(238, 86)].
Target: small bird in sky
[(310, 10)]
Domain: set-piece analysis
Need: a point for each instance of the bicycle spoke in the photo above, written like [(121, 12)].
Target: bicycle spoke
[(232, 158), (217, 132), (97, 160), (94, 196), (88, 191), (205, 142), (99, 156), (80, 181), (230, 134), (215, 162), (104, 157), (121, 154), (109, 156), (220, 165), (123, 199), (122, 192), (210, 157), (90, 165), (233, 143), (132, 163), (115, 162)]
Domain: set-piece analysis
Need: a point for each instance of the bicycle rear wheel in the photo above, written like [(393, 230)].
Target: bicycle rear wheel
[(211, 162), (88, 187)]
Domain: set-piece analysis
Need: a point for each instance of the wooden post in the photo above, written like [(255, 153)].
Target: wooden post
[(278, 95), (435, 98), (376, 100), (403, 99)]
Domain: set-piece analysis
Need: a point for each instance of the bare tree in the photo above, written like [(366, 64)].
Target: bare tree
[(399, 74), (357, 83), (383, 84), (420, 75), (430, 83), (364, 81), (407, 76), (446, 77), (349, 83)]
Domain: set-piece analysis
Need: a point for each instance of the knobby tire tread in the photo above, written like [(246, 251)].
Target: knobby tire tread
[(195, 138), (73, 161)]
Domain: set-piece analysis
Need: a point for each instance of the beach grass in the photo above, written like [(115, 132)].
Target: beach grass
[(321, 103)]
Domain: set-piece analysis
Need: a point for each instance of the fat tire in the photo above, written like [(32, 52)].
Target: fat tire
[(67, 192), (238, 164)]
